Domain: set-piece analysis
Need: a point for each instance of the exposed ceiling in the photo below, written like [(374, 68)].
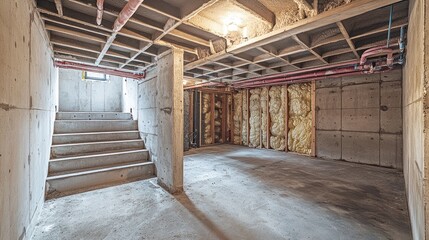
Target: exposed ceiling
[(281, 35)]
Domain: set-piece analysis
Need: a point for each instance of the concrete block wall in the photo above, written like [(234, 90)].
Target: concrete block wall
[(416, 120), (77, 95), (359, 119), (28, 99), (160, 108), (130, 96)]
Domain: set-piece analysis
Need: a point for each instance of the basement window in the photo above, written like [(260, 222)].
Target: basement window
[(93, 76)]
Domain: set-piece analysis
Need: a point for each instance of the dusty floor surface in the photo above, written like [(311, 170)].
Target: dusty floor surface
[(235, 192)]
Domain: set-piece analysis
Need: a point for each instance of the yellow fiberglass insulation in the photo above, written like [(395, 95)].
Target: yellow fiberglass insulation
[(207, 131), (264, 115), (277, 115), (255, 117), (299, 136), (238, 111), (228, 118), (245, 119)]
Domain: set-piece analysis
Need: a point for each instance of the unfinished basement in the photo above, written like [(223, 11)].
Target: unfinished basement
[(214, 119)]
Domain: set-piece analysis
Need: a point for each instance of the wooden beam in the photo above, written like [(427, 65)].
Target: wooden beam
[(162, 8), (59, 7), (347, 37), (65, 42), (268, 119), (190, 37), (75, 34), (248, 117), (63, 23), (313, 118), (306, 45), (257, 9)]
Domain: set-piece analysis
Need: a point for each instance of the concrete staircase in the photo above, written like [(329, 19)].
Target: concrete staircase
[(92, 150)]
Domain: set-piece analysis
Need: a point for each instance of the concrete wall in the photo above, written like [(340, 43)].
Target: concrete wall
[(359, 119), (77, 95), (160, 109), (415, 120), (28, 98), (130, 96)]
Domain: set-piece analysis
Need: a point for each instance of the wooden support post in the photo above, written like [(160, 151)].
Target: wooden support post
[(313, 118), (268, 119), (224, 127), (201, 117), (242, 118), (260, 124), (286, 106), (191, 115), (212, 117), (231, 119), (248, 116)]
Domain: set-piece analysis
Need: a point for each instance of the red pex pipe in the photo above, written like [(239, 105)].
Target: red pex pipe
[(278, 75), (342, 69), (78, 66), (129, 9), (325, 73), (306, 80)]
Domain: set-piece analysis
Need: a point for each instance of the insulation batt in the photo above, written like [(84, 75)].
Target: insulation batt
[(277, 115), (299, 136), (218, 119), (238, 105), (255, 117), (264, 115), (245, 117), (208, 138)]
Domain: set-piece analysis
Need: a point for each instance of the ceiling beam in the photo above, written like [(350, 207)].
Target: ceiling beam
[(59, 7), (162, 8), (346, 35), (171, 25), (305, 44), (75, 34), (123, 17), (257, 9), (347, 11)]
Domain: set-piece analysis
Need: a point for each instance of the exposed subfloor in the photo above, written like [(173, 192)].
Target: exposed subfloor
[(234, 192)]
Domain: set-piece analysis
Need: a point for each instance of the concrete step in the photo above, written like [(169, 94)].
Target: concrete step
[(72, 183), (81, 126), (93, 116), (66, 138), (61, 166), (76, 149)]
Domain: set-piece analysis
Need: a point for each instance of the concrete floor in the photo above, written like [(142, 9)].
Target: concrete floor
[(234, 192)]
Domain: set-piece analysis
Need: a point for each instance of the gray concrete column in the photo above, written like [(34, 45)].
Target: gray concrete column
[(169, 102)]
